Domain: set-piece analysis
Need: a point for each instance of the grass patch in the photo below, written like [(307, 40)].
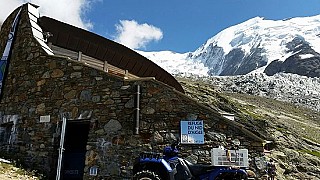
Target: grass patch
[(15, 172), (314, 153), (4, 167), (281, 129)]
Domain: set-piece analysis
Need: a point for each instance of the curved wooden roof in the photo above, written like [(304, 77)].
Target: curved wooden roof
[(76, 39)]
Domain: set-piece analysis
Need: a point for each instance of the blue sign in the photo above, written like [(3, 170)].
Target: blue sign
[(192, 132)]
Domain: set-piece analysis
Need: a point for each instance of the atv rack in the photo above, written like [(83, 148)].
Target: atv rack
[(150, 155)]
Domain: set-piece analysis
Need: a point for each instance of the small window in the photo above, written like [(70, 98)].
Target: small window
[(93, 171), (5, 133)]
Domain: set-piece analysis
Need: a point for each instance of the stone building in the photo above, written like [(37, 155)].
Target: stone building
[(116, 103)]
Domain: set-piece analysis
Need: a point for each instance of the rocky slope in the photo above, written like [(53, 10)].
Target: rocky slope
[(294, 130), (303, 61), (296, 89)]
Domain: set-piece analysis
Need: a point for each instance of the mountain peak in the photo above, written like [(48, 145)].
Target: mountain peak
[(255, 44)]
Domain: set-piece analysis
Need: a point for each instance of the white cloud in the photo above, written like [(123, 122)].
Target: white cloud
[(69, 11), (7, 6), (135, 36)]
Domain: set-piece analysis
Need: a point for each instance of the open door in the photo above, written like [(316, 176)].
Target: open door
[(76, 138)]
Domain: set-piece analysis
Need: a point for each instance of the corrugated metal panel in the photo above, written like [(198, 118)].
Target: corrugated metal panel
[(82, 46), (101, 52), (63, 39), (136, 68), (76, 39), (92, 50), (73, 42)]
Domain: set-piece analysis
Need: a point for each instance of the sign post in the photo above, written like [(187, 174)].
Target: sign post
[(192, 132)]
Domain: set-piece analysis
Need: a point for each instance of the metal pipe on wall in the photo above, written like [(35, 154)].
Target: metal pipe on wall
[(137, 115), (61, 148)]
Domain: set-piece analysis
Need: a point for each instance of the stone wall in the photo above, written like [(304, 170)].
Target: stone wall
[(40, 85)]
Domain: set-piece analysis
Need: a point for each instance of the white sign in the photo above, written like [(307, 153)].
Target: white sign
[(45, 118), (225, 157), (192, 132)]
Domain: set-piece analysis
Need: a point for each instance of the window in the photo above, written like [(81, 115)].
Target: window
[(5, 133)]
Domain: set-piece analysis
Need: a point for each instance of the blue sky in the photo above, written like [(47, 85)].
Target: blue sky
[(154, 25), (186, 24)]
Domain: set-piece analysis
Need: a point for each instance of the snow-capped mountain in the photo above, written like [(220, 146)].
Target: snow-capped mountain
[(256, 45), (176, 63)]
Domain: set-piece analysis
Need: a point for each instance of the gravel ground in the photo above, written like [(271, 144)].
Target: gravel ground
[(9, 171)]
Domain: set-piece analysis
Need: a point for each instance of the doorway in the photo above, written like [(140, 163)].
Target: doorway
[(76, 138)]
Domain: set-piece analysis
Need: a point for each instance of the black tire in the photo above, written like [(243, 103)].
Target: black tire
[(146, 175)]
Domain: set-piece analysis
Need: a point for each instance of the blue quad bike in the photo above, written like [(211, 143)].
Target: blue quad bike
[(154, 166)]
